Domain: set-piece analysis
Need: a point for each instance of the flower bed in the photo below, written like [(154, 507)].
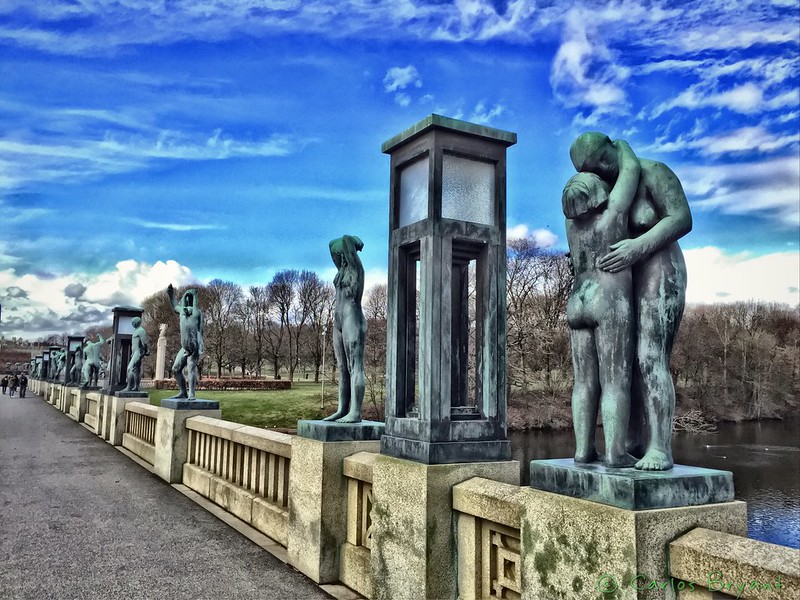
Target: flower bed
[(211, 384)]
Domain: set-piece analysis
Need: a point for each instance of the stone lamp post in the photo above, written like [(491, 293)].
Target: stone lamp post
[(121, 346), (447, 217)]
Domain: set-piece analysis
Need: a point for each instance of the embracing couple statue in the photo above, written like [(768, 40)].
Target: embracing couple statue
[(624, 216)]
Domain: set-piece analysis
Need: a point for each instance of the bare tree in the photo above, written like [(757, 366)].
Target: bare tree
[(281, 298), (222, 299)]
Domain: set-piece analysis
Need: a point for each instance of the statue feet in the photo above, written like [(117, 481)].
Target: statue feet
[(179, 397), (585, 457), (335, 416), (617, 461), (655, 460), (350, 418)]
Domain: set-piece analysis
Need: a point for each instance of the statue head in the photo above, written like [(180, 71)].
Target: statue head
[(584, 193), (189, 301), (595, 152), (135, 322)]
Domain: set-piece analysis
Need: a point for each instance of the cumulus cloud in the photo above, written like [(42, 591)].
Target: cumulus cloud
[(767, 189), (49, 305), (401, 78), (74, 290), (717, 276), (14, 291), (544, 238)]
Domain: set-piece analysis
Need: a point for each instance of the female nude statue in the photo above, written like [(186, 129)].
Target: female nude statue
[(600, 310), (349, 328), (658, 218)]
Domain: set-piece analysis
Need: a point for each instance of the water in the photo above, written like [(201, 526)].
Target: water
[(763, 456)]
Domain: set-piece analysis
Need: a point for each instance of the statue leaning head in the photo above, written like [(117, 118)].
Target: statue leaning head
[(590, 150), (584, 193)]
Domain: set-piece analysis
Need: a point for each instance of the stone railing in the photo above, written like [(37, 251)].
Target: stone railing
[(140, 430), (243, 469), (93, 414), (488, 531), (354, 565), (735, 566)]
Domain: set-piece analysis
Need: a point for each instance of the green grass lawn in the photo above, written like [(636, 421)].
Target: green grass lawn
[(272, 408)]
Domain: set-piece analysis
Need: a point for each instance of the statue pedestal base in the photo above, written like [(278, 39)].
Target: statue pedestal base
[(124, 394), (331, 431), (630, 488), (189, 404), (172, 437), (318, 503)]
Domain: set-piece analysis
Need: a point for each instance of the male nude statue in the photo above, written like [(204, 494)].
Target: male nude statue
[(192, 346), (600, 310), (138, 351), (91, 361)]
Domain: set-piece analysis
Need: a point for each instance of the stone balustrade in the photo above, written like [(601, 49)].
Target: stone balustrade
[(243, 469), (316, 499), (356, 553), (140, 430), (731, 565)]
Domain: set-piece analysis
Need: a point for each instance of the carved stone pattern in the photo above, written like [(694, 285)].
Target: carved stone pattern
[(502, 563)]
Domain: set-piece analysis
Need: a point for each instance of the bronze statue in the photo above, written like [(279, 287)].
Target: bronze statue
[(349, 329), (91, 361), (658, 218), (77, 365), (192, 345), (138, 351), (600, 310)]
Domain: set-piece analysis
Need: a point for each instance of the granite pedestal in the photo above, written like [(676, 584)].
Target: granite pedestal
[(119, 416), (414, 552), (631, 488), (318, 492), (172, 437)]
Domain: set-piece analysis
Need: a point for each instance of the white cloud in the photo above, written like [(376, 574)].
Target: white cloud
[(544, 238), (178, 227), (746, 99), (717, 276), (399, 78), (402, 99), (53, 304), (484, 115), (768, 189), (743, 140)]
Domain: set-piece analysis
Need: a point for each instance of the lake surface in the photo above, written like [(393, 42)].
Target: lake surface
[(763, 456)]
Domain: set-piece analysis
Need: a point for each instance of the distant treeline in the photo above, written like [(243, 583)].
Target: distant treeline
[(731, 361)]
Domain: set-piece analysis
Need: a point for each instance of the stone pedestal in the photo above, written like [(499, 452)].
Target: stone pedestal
[(631, 488), (413, 542), (172, 437), (77, 408), (329, 431), (104, 413), (575, 548), (318, 498), (118, 415)]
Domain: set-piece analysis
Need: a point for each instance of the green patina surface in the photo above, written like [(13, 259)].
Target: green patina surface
[(438, 121)]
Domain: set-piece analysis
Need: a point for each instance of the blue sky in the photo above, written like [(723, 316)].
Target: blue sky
[(146, 142)]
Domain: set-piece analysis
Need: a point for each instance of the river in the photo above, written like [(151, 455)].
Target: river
[(764, 457)]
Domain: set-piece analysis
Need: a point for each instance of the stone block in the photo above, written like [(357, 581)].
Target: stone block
[(236, 500), (172, 441), (186, 404), (317, 505), (745, 568), (330, 431), (197, 479), (446, 452), (139, 447), (413, 525), (137, 395), (574, 548), (118, 417), (270, 520), (632, 488), (354, 569)]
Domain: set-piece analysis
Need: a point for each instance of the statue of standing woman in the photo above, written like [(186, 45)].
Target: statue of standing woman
[(349, 328), (192, 345), (658, 218)]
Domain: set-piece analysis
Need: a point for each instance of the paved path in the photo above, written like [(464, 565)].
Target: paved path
[(78, 519)]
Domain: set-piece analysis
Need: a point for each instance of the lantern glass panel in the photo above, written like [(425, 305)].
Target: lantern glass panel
[(467, 190), (125, 325), (413, 192)]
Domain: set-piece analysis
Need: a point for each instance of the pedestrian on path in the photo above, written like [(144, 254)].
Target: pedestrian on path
[(4, 383), (12, 385), (23, 385)]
